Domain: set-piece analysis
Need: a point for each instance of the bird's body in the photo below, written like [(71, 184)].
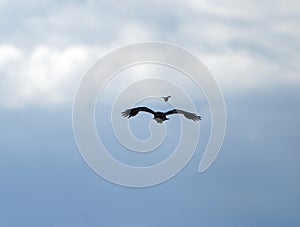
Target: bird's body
[(159, 116), (166, 99)]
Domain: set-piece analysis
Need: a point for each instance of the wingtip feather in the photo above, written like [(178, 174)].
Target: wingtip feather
[(126, 113)]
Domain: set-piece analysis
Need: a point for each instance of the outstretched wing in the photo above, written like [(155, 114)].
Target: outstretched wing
[(134, 111), (188, 115)]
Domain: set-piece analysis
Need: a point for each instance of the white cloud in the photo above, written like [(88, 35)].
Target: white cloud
[(8, 54), (238, 72), (43, 76), (245, 45)]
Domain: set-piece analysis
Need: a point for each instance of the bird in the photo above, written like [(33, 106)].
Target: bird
[(166, 98), (158, 116)]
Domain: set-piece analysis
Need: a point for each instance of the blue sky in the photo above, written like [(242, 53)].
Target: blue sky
[(251, 48)]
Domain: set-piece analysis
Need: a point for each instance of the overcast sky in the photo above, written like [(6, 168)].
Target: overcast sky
[(251, 47)]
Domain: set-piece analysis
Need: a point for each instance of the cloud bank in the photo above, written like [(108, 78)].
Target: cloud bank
[(46, 48)]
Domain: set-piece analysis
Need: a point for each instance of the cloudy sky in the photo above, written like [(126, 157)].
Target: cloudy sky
[(252, 48)]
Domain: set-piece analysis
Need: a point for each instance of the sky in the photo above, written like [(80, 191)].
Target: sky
[(250, 47)]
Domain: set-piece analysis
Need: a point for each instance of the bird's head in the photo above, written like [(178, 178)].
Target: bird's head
[(158, 120)]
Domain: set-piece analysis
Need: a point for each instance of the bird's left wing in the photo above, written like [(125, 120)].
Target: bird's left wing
[(188, 115), (134, 111)]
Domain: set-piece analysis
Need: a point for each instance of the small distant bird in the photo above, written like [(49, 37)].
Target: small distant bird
[(166, 98), (159, 116)]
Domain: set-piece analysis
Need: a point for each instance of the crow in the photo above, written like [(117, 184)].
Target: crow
[(159, 116)]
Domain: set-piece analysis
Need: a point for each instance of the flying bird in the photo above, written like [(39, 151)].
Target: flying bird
[(166, 99), (159, 116)]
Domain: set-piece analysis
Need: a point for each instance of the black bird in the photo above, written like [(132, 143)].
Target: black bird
[(159, 116), (166, 99)]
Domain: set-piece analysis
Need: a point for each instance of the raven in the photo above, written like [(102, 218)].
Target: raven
[(159, 116)]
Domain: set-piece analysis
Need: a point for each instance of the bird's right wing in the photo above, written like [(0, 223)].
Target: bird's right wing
[(188, 115), (134, 111)]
